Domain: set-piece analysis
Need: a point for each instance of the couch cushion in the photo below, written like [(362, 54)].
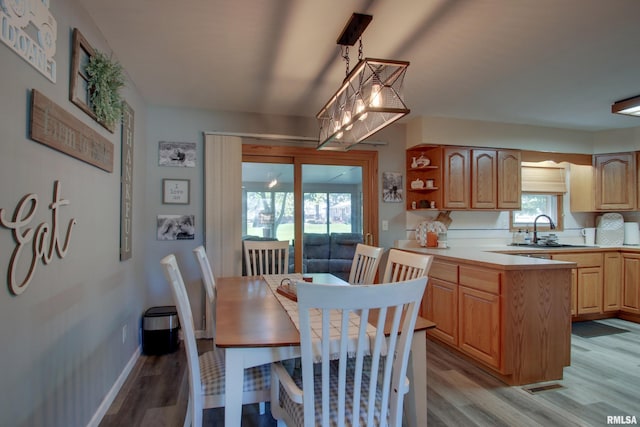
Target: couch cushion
[(316, 246), (340, 268), (343, 245)]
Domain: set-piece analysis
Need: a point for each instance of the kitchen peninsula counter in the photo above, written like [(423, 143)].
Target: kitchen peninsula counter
[(511, 315)]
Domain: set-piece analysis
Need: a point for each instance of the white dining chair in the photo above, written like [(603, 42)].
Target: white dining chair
[(365, 264), (403, 265), (346, 376), (207, 371), (209, 282), (266, 257)]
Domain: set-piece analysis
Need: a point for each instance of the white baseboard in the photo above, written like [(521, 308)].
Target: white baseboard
[(111, 395)]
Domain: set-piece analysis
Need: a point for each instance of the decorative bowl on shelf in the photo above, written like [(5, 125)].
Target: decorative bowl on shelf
[(417, 184), (420, 162)]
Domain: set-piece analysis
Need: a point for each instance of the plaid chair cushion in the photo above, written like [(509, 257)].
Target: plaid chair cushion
[(297, 410), (212, 374)]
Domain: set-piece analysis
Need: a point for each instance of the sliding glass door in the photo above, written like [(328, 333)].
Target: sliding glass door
[(332, 199), (303, 193)]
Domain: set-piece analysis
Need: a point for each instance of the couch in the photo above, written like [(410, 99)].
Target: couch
[(329, 253)]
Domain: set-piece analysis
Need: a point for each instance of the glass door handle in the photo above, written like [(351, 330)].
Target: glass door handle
[(368, 239)]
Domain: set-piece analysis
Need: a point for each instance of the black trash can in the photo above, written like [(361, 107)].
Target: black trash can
[(160, 330)]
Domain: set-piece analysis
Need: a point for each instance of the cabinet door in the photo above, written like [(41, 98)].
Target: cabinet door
[(479, 325), (589, 290), (615, 181), (631, 283), (509, 179), (484, 179), (455, 178), (612, 281), (442, 308)]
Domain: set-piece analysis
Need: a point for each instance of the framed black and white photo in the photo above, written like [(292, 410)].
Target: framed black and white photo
[(176, 227), (182, 154), (392, 189), (175, 191)]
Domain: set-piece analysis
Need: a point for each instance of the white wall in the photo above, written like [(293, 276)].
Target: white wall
[(62, 346)]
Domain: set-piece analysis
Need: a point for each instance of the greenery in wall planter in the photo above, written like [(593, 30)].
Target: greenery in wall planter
[(105, 78)]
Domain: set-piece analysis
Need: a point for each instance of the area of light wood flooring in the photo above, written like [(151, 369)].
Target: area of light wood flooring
[(603, 380)]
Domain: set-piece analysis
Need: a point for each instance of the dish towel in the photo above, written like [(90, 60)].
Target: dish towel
[(291, 307)]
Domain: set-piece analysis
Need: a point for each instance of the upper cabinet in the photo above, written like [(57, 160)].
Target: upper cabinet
[(615, 181), (484, 179), (469, 178), (456, 178), (509, 179), (614, 178)]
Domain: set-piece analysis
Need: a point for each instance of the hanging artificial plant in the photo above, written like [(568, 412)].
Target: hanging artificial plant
[(106, 77)]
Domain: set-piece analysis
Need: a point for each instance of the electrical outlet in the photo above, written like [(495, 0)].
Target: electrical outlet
[(385, 225), (124, 333)]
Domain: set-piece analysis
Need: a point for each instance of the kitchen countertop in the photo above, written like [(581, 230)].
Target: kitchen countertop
[(503, 256)]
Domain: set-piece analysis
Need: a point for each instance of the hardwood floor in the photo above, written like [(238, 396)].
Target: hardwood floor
[(603, 380)]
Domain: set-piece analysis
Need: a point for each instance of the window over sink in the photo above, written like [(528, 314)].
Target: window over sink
[(534, 204)]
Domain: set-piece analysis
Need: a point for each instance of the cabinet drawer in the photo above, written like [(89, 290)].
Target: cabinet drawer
[(583, 260), (480, 278), (444, 271)]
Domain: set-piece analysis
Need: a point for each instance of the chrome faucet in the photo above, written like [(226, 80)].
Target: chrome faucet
[(535, 226)]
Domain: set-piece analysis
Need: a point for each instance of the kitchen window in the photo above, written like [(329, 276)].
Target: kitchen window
[(534, 204), (543, 188)]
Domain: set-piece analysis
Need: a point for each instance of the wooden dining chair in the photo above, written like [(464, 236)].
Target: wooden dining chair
[(209, 282), (365, 264), (266, 257), (207, 371), (403, 265), (346, 376)]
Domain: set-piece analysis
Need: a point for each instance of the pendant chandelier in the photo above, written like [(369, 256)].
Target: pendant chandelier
[(369, 99)]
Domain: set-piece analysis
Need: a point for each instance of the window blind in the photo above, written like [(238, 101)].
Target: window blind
[(548, 180)]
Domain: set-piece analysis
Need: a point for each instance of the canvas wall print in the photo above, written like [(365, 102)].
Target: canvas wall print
[(182, 154), (176, 227), (392, 187)]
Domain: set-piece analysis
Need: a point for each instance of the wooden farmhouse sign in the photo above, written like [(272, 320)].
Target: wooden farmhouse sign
[(53, 126)]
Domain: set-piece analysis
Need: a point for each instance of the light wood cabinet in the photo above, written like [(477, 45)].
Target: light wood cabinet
[(456, 181), (479, 327), (589, 290), (464, 303), (484, 179), (612, 281), (495, 179), (589, 283), (464, 178), (574, 291), (442, 308), (630, 301), (614, 178), (513, 323), (509, 179), (615, 181)]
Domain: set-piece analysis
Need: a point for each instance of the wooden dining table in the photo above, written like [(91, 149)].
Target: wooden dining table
[(253, 328)]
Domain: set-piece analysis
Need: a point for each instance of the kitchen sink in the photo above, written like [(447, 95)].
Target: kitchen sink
[(546, 245)]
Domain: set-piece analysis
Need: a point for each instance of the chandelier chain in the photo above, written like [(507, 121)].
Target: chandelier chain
[(360, 50), (345, 56)]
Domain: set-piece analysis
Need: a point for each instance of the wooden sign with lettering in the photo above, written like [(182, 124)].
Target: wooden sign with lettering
[(53, 126), (126, 183)]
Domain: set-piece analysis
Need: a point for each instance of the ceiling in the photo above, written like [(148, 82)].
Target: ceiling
[(557, 63)]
